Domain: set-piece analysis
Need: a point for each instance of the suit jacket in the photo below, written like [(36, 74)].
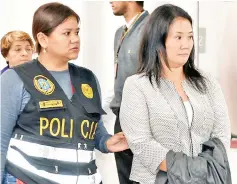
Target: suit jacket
[(128, 61)]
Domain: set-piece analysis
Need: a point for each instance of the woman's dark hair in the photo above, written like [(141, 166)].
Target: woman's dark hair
[(49, 16), (153, 43)]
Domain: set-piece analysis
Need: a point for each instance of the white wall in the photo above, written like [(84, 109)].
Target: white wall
[(97, 41), (220, 58)]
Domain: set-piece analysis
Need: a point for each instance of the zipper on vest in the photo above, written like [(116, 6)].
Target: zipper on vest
[(56, 169), (78, 146)]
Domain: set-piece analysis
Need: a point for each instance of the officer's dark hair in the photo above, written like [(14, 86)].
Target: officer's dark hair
[(153, 45), (47, 17), (140, 3)]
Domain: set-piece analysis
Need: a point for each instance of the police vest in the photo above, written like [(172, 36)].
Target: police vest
[(53, 141)]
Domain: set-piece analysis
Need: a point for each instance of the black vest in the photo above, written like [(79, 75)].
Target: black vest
[(50, 119)]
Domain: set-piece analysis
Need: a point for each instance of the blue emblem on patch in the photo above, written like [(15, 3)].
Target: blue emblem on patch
[(43, 85)]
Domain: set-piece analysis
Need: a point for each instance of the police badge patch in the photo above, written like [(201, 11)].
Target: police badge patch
[(43, 85), (87, 90)]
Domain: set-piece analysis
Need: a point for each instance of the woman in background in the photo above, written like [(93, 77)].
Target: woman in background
[(17, 48)]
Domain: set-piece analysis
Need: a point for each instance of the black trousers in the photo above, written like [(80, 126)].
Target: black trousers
[(124, 158)]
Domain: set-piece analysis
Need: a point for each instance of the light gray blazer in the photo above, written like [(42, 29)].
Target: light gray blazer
[(154, 121)]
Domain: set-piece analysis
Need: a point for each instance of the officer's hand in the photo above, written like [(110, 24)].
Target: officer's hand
[(117, 143)]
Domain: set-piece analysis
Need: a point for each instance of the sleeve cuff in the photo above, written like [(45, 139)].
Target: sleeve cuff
[(103, 147)]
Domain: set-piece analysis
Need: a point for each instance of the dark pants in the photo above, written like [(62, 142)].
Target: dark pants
[(124, 158)]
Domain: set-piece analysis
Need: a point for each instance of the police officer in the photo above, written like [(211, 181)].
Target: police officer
[(51, 109)]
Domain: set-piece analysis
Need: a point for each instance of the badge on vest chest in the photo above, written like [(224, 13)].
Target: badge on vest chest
[(44, 85), (87, 90)]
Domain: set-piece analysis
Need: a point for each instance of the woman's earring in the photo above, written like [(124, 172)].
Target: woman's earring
[(44, 51)]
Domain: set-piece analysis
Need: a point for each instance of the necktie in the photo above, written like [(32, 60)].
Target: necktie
[(124, 30)]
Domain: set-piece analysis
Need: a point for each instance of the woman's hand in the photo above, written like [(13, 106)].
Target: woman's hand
[(117, 143), (163, 166)]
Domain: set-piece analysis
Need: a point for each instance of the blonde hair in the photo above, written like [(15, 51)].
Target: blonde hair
[(8, 39)]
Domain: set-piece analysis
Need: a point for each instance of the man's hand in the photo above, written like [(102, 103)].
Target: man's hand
[(117, 143)]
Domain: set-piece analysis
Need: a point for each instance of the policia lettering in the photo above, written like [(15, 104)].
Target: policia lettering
[(56, 127)]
